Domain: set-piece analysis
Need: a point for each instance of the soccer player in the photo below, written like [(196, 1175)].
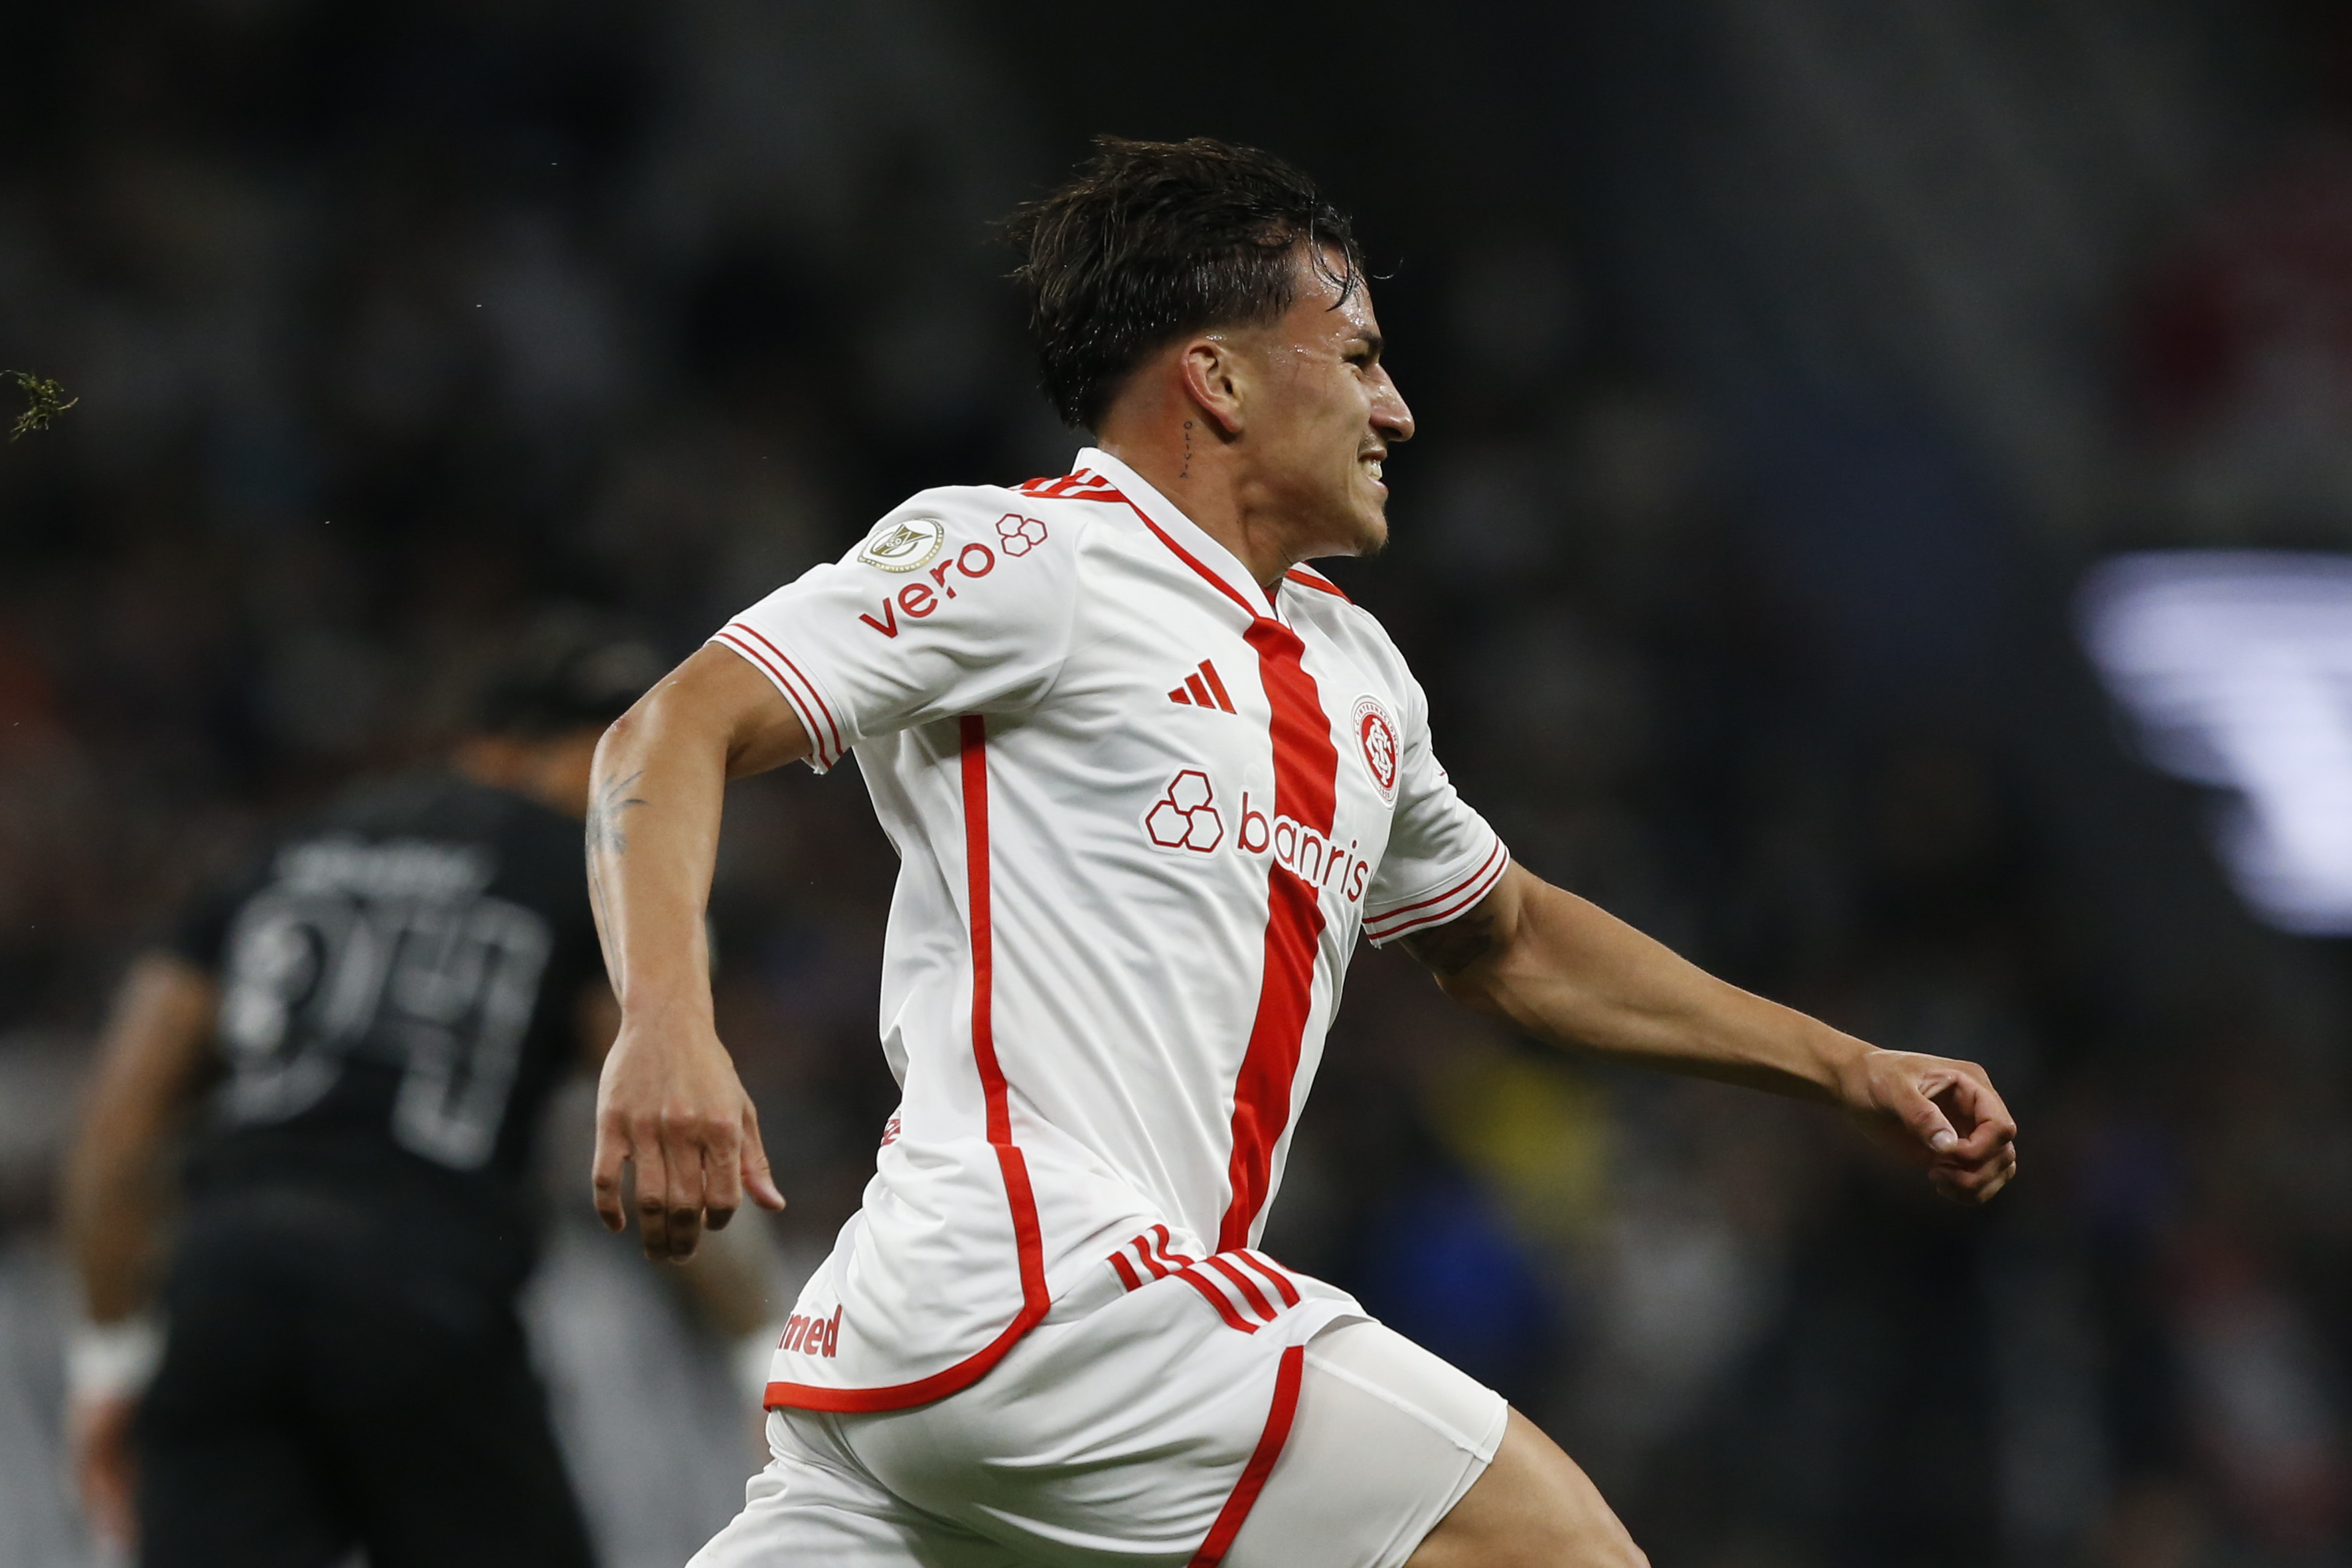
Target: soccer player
[(1150, 778), (386, 998)]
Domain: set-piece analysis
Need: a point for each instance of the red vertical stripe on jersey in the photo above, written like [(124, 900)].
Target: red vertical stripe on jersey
[(1231, 1517), (1030, 1244), (1306, 774)]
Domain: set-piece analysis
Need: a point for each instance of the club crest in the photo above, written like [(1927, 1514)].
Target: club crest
[(1376, 739)]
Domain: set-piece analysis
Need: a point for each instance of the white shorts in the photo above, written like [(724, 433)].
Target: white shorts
[(1145, 1433)]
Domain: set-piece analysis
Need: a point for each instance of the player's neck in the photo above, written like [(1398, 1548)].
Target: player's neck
[(1200, 475)]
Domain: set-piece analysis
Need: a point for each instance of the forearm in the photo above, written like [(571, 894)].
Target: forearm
[(149, 1057), (668, 1101), (653, 840), (654, 805), (110, 1222), (1567, 971)]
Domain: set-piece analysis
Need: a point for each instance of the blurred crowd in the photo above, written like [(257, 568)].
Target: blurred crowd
[(393, 327)]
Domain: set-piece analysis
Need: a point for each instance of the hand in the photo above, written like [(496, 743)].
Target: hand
[(669, 1103), (98, 1433), (1941, 1113)]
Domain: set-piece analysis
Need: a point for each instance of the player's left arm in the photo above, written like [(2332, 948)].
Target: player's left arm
[(1569, 973), (151, 1062)]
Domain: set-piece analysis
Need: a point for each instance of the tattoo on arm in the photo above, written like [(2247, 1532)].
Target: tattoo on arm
[(1455, 945), (605, 810)]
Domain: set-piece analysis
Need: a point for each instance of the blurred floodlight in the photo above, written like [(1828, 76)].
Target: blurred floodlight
[(2237, 666)]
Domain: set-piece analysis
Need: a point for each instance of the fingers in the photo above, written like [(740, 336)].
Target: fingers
[(758, 1180), (653, 1191), (1980, 1164), (1976, 1183), (722, 1178), (1949, 1110), (1970, 1102), (1915, 1105), (604, 1173)]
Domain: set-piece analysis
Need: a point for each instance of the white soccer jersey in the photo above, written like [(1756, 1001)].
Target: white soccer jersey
[(1142, 808)]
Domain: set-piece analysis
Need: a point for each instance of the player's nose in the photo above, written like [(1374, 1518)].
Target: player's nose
[(1390, 417)]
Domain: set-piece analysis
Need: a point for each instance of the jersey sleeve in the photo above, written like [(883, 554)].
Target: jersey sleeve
[(953, 604), (1442, 857)]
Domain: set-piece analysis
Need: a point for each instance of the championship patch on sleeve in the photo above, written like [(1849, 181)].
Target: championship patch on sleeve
[(904, 543)]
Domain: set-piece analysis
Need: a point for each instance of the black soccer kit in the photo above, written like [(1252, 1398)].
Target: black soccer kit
[(343, 1364)]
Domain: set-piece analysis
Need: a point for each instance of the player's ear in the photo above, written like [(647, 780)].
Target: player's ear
[(1215, 380)]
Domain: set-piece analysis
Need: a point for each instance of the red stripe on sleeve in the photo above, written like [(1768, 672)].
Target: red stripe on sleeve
[(793, 694), (832, 729), (1483, 866), (1453, 902)]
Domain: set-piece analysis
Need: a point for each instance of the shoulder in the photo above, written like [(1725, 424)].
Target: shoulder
[(942, 523)]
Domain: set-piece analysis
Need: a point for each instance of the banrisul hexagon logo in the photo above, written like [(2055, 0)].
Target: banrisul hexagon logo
[(1183, 817)]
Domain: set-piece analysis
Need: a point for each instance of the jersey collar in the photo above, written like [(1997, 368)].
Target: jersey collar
[(1171, 521)]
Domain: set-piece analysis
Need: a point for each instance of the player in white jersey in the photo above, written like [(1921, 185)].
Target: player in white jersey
[(1149, 779)]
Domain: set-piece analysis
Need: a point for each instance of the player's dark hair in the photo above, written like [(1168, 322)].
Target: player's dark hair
[(1155, 239), (569, 668)]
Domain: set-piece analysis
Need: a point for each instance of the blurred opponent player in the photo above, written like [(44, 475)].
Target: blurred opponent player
[(1150, 780), (386, 999)]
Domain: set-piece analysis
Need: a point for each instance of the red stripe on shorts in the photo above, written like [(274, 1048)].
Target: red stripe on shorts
[(1236, 1511)]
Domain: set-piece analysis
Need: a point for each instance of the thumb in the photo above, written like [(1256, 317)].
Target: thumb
[(1925, 1118), (757, 1180)]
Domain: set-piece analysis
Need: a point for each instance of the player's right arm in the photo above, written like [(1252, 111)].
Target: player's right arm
[(669, 1102)]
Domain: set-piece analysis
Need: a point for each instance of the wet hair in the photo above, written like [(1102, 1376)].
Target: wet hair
[(1155, 239)]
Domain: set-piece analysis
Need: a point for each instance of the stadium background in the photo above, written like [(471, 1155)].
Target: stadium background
[(1781, 366)]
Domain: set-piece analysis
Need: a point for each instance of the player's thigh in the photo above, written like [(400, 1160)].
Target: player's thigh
[(1534, 1508), (814, 1503), (1385, 1439), (231, 1472), (460, 1466)]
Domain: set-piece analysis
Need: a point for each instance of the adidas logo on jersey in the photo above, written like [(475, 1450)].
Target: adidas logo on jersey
[(1201, 689)]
